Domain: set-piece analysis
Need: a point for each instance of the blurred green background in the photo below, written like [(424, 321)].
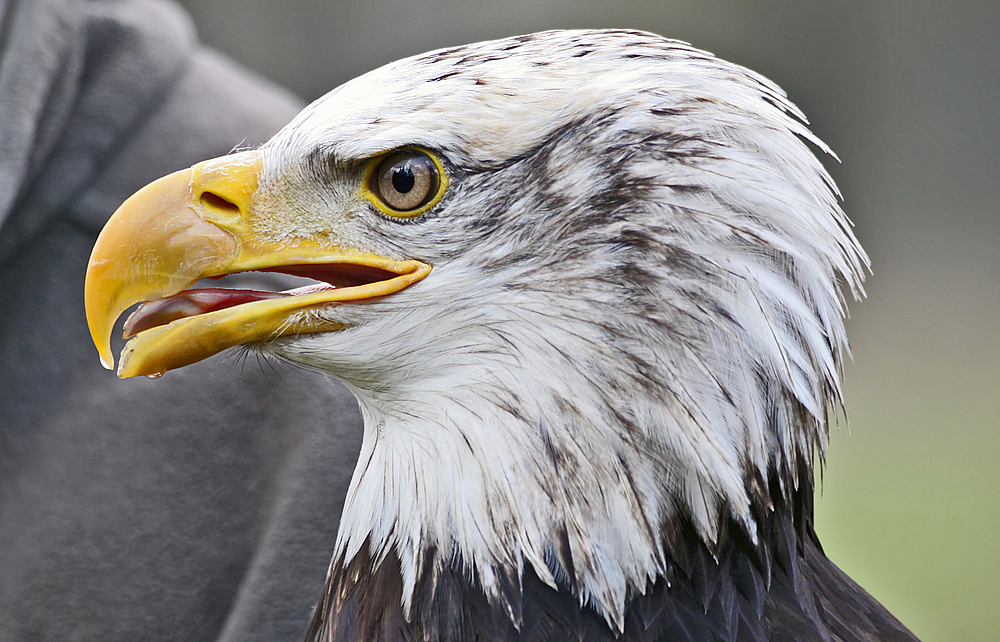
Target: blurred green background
[(908, 94)]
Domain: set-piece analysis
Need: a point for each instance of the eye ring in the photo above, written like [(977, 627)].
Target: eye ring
[(405, 182)]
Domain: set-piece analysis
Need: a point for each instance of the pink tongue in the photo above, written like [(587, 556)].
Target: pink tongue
[(187, 304)]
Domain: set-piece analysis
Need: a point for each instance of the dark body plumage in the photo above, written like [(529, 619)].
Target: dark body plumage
[(786, 590)]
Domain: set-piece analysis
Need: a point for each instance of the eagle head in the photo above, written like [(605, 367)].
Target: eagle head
[(586, 286)]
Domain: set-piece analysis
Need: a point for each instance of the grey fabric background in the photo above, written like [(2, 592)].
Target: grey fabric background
[(203, 505)]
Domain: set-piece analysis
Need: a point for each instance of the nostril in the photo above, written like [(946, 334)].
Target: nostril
[(212, 201)]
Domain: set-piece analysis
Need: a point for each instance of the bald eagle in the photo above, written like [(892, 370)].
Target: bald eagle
[(587, 287)]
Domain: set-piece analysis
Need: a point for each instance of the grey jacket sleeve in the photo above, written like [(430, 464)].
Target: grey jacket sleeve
[(200, 506)]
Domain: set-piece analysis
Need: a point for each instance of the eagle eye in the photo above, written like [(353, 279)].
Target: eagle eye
[(405, 183)]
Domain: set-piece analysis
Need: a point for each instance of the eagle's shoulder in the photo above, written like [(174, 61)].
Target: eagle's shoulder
[(789, 590)]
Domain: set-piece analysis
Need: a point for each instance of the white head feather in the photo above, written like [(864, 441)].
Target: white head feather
[(634, 314)]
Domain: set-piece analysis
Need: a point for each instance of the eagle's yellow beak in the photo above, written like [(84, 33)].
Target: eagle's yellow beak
[(199, 223)]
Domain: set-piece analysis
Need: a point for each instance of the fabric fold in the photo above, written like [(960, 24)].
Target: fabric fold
[(65, 63)]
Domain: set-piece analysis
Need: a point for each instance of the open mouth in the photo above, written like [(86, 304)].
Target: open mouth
[(174, 329), (197, 301)]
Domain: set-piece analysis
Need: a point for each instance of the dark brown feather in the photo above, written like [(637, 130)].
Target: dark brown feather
[(734, 595)]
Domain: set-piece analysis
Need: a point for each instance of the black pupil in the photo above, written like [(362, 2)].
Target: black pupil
[(402, 178)]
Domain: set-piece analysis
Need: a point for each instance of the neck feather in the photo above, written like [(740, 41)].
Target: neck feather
[(503, 465)]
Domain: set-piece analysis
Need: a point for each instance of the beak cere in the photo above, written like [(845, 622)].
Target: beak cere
[(199, 223)]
